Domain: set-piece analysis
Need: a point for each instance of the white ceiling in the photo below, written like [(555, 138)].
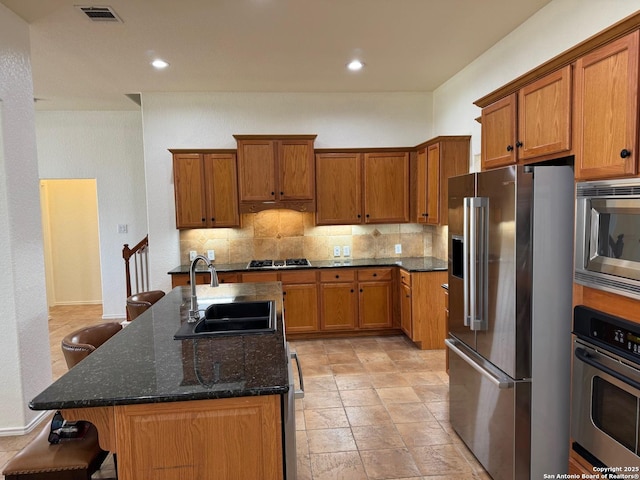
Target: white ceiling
[(255, 45)]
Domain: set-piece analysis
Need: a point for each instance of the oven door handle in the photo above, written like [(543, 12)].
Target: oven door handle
[(585, 357)]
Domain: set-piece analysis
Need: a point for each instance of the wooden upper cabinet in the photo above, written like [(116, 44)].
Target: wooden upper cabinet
[(296, 169), (221, 190), (499, 133), (534, 123), (435, 163), (606, 111), (276, 172), (257, 170), (205, 187), (386, 187), (339, 188), (544, 116)]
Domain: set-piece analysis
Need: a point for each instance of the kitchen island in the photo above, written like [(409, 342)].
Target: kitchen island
[(208, 408)]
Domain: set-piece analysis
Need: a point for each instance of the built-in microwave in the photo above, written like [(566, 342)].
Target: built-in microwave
[(607, 253)]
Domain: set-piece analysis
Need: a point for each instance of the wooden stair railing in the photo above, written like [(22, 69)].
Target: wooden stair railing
[(140, 272)]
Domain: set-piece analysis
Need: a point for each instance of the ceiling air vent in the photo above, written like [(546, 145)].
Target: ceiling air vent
[(99, 14)]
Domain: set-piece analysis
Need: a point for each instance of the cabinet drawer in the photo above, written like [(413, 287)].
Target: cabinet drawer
[(227, 277), (373, 274), (260, 277), (405, 277), (301, 276), (338, 275)]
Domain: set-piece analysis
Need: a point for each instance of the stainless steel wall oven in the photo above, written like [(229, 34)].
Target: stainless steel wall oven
[(605, 415), (607, 253)]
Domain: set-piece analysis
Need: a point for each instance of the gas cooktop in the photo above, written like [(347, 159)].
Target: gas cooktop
[(288, 263)]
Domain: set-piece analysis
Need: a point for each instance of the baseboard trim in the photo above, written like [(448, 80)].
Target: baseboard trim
[(15, 431)]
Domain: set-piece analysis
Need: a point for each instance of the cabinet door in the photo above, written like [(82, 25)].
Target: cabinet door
[(422, 190), (405, 309), (188, 183), (300, 307), (338, 306), (433, 184), (221, 189), (259, 277), (606, 111), (386, 187), (499, 133), (544, 116), (296, 170), (454, 160), (339, 191), (256, 170), (375, 304), (204, 439)]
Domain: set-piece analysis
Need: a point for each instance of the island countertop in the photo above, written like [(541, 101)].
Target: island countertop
[(144, 364)]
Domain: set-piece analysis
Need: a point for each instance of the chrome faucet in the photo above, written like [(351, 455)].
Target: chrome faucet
[(194, 315)]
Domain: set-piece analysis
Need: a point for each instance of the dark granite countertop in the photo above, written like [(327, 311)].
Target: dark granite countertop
[(412, 264), (144, 364)]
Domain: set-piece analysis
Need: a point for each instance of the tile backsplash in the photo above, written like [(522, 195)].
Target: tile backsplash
[(282, 234)]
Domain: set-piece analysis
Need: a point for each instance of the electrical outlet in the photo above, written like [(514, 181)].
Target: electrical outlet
[(346, 251), (123, 228), (336, 251), (211, 254), (398, 248), (192, 255)]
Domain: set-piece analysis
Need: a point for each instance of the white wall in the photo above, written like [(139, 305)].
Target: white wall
[(106, 146), (24, 342), (555, 28), (209, 120)]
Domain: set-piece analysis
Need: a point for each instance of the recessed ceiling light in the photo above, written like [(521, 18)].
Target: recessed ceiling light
[(159, 64), (355, 65)]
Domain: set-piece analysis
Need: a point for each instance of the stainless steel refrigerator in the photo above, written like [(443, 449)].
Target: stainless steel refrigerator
[(510, 286)]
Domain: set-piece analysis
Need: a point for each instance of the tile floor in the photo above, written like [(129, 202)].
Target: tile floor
[(374, 408)]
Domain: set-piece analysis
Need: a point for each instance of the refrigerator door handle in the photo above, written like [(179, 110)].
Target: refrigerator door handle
[(480, 260), (501, 381), (466, 274)]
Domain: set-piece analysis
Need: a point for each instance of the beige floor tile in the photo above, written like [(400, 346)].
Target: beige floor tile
[(317, 418), (353, 382), (316, 359), (422, 378), (389, 463), (346, 356), (409, 412), (440, 460), (398, 395), (380, 367), (337, 466), (310, 370), (372, 356), (432, 393), (348, 369), (309, 347), (335, 345), (440, 410), (412, 365), (331, 440), (386, 380), (322, 400), (356, 398), (320, 384), (401, 353), (368, 415), (376, 437), (420, 434)]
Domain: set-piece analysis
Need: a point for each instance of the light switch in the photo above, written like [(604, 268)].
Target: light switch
[(336, 251), (346, 251), (398, 248), (192, 255), (211, 254)]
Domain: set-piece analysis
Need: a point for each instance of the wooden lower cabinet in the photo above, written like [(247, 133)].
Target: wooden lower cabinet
[(577, 468), (182, 279), (300, 295), (422, 307), (204, 439)]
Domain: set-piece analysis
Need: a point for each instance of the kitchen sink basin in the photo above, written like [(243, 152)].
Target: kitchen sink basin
[(239, 318)]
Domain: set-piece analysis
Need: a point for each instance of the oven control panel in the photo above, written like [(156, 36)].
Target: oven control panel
[(622, 336)]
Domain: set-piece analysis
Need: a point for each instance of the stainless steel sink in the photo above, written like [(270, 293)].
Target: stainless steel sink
[(239, 318)]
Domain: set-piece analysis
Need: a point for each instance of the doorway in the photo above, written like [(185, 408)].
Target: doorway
[(71, 241)]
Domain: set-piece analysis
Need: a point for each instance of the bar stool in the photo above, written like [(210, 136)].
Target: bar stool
[(141, 301)]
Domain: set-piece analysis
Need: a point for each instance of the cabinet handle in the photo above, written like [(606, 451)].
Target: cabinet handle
[(337, 276), (518, 144), (375, 274), (352, 290), (273, 193), (213, 219), (625, 153), (359, 216), (360, 290), (425, 214), (281, 193), (367, 215), (509, 148), (204, 220)]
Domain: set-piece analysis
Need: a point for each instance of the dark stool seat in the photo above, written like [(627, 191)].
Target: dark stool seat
[(138, 303), (80, 343), (71, 459)]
